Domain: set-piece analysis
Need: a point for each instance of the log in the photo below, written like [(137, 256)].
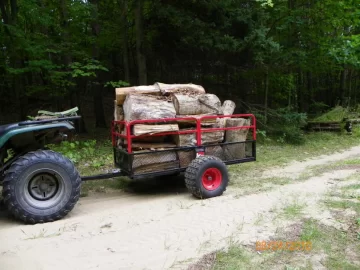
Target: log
[(152, 146), (237, 150), (118, 112), (206, 138), (189, 89), (186, 105), (186, 157), (121, 93), (211, 102), (216, 151), (152, 162), (140, 129), (158, 89), (119, 116), (204, 122), (141, 107), (227, 108), (194, 105), (145, 139)]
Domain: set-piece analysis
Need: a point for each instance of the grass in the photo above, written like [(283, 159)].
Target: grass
[(293, 210), (272, 154)]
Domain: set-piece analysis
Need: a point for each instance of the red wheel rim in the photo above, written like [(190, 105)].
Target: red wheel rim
[(211, 179)]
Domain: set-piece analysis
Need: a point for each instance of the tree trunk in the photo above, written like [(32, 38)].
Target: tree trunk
[(140, 48), (125, 52), (266, 96), (96, 87), (342, 88)]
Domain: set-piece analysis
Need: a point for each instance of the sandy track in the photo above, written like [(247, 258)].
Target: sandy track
[(155, 230)]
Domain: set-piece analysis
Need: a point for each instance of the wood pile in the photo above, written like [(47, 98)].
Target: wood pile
[(160, 101)]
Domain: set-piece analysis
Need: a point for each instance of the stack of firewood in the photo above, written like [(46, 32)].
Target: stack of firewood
[(160, 101)]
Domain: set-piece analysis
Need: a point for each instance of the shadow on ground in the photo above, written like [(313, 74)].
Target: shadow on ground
[(164, 185)]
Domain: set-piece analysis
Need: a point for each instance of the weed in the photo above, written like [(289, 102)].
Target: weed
[(293, 210)]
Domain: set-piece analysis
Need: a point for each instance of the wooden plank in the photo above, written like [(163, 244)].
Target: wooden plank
[(141, 129)]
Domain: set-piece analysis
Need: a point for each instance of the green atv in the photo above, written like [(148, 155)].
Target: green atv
[(38, 185)]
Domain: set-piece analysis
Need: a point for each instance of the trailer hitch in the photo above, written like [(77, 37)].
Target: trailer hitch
[(113, 174)]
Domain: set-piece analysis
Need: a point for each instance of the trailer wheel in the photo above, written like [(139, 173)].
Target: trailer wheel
[(41, 186), (206, 177)]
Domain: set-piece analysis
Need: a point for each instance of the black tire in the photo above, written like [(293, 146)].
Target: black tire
[(201, 167), (41, 186)]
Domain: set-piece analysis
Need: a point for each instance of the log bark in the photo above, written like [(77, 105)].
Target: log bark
[(204, 122), (118, 112), (211, 102), (119, 116), (158, 89), (186, 105), (141, 107), (215, 151), (237, 150), (206, 138), (227, 108), (141, 129), (194, 105), (186, 157), (190, 89), (145, 139), (123, 92), (152, 162)]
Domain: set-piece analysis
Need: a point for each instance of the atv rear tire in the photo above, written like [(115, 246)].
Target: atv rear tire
[(41, 186), (206, 177)]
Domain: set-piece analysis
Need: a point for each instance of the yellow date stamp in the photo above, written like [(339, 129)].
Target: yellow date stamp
[(283, 245)]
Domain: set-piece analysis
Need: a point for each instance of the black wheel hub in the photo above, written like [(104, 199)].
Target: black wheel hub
[(43, 186)]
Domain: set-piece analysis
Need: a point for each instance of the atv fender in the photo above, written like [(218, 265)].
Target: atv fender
[(16, 130)]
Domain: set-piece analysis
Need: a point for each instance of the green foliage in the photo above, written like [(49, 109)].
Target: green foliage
[(120, 83), (78, 150), (86, 69), (265, 3), (336, 114), (284, 124)]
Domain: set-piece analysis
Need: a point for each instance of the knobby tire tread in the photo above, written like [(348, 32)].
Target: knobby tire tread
[(16, 168)]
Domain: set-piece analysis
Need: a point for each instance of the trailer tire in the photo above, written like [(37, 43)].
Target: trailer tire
[(206, 177), (41, 186)]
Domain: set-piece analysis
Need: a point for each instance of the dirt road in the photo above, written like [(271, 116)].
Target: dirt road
[(160, 228)]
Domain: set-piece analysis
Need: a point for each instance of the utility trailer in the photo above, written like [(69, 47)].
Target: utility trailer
[(40, 185), (205, 170)]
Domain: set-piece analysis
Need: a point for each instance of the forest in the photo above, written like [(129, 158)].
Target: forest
[(301, 57)]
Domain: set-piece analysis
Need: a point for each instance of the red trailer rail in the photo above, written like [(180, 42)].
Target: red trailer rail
[(199, 130), (124, 157)]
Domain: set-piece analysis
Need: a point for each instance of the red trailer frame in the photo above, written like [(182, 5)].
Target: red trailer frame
[(123, 158)]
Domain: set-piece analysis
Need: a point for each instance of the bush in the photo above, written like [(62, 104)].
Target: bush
[(77, 150), (285, 125)]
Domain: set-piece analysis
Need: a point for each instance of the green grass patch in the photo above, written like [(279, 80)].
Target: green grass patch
[(272, 154), (293, 210)]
